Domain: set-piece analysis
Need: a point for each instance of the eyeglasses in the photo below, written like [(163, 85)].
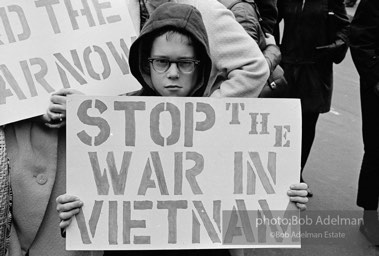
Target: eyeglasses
[(161, 65)]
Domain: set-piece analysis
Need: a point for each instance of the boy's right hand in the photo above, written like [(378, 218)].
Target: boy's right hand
[(67, 207), (55, 116)]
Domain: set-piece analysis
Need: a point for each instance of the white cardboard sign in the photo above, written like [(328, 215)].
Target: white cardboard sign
[(181, 173)]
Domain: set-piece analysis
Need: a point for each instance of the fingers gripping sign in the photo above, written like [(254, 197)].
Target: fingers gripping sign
[(55, 116)]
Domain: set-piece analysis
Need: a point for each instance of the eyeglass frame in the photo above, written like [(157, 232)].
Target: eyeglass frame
[(194, 61)]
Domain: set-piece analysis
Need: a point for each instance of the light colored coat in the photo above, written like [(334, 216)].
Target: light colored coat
[(239, 67), (38, 176)]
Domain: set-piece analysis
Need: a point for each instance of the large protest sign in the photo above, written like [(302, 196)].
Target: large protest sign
[(49, 45), (181, 173)]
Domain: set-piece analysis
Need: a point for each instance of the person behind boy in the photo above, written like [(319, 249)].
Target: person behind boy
[(238, 67), (169, 58), (258, 18)]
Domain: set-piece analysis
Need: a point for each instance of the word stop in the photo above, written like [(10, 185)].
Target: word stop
[(130, 108)]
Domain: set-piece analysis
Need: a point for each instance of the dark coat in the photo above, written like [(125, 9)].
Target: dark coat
[(269, 14), (364, 41), (309, 71)]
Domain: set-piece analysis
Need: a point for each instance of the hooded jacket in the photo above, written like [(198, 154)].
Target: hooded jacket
[(239, 68), (183, 18)]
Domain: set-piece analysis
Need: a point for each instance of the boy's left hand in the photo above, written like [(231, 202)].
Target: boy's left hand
[(67, 207), (298, 194)]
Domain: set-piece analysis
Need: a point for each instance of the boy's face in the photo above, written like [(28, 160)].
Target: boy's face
[(173, 82)]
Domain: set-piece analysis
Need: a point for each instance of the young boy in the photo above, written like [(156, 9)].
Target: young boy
[(170, 58)]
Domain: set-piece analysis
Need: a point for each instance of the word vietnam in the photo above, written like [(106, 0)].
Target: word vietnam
[(221, 225)]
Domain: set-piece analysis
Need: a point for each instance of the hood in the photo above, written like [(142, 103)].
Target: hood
[(171, 16)]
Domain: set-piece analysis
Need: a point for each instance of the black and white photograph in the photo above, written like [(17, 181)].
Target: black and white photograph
[(189, 127)]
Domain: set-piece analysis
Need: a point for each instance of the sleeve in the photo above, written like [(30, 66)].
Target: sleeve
[(269, 14), (239, 67), (340, 35), (364, 41), (273, 56), (247, 16), (342, 19), (365, 28)]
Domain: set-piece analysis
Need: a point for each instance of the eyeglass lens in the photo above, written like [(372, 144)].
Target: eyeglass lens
[(184, 66)]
